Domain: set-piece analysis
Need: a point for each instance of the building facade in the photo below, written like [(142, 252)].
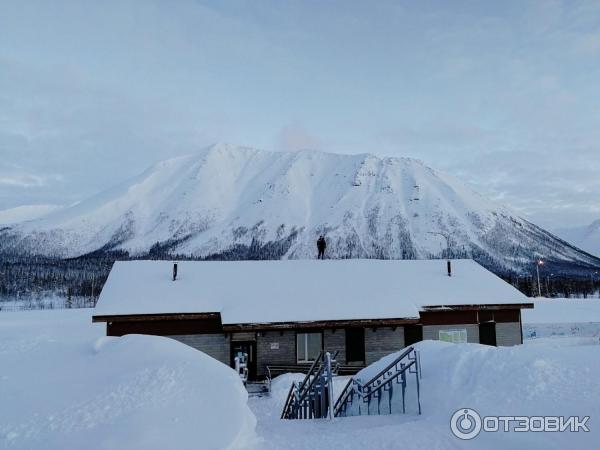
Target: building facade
[(288, 345)]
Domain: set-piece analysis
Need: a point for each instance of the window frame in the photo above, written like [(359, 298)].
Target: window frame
[(305, 337), (454, 332)]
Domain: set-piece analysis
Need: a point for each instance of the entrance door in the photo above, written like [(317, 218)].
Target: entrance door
[(245, 350), (487, 333), (412, 334), (355, 345)]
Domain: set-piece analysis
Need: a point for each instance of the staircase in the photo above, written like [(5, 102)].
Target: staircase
[(313, 397), (377, 394)]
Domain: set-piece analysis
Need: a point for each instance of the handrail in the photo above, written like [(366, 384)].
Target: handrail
[(299, 394), (343, 396), (288, 401), (303, 392), (371, 389), (393, 377), (312, 367), (389, 366), (315, 376)]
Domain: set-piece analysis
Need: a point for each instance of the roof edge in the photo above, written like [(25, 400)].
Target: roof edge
[(479, 307), (149, 317), (321, 324)]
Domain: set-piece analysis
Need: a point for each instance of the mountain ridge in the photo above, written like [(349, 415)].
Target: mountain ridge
[(586, 237), (229, 202)]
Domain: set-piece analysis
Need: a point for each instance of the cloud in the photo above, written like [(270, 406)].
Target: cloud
[(24, 181), (503, 95)]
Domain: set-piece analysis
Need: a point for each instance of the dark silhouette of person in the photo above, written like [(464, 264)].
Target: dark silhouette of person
[(321, 246)]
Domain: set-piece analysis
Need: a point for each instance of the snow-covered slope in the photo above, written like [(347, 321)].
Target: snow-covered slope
[(586, 237), (235, 203), (25, 212)]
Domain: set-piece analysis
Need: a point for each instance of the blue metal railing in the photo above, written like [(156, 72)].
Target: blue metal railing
[(313, 397), (395, 373)]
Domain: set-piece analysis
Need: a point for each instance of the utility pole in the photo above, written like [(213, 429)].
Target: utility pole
[(537, 268), (448, 237)]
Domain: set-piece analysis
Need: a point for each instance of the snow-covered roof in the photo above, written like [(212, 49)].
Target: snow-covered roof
[(299, 290)]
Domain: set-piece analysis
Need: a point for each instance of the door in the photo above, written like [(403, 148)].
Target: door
[(487, 333), (412, 334), (355, 345), (246, 351)]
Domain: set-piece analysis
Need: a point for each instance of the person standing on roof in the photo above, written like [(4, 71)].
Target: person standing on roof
[(321, 246)]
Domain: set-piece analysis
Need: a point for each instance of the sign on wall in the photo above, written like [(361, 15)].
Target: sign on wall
[(274, 345), (456, 336)]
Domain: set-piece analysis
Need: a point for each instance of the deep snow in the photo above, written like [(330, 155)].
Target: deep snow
[(539, 379), (65, 386)]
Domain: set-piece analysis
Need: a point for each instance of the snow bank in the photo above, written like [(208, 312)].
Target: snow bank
[(547, 378), (64, 386)]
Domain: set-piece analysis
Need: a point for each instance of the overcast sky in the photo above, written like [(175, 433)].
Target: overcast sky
[(502, 94)]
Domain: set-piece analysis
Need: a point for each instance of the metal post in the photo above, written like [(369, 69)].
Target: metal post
[(448, 237), (537, 268), (418, 386), (329, 384)]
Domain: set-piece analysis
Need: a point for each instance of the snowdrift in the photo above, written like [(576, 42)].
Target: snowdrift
[(546, 378), (527, 380), (63, 387)]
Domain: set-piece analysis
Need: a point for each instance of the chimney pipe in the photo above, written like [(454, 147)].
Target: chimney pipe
[(449, 268), (174, 271)]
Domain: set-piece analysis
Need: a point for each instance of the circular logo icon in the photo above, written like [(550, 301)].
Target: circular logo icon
[(465, 423)]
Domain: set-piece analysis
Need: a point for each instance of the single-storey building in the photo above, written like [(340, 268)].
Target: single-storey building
[(283, 313)]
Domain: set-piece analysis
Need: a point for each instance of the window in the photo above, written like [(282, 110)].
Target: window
[(457, 336), (355, 344), (308, 346)]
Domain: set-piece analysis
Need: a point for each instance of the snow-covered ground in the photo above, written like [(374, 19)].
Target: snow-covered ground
[(562, 317), (65, 386), (45, 301), (541, 379)]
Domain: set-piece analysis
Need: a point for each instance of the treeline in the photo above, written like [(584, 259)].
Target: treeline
[(32, 278), (557, 286), (79, 280)]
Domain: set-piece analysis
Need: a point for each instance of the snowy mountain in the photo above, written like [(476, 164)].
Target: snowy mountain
[(586, 237), (25, 212), (231, 202)]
